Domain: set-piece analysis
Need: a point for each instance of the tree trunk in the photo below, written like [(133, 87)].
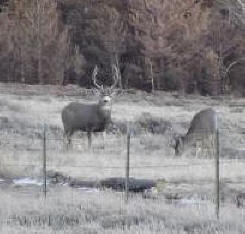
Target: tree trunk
[(152, 78), (39, 45), (119, 75)]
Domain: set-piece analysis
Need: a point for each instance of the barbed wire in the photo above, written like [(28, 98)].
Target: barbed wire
[(116, 167), (87, 164), (118, 136), (140, 129)]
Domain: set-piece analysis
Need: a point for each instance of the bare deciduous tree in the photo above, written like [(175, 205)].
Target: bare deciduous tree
[(40, 41)]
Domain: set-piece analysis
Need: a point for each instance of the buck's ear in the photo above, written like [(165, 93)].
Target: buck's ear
[(95, 92)]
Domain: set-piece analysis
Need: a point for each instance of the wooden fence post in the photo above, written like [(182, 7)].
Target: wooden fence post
[(127, 164), (44, 163), (217, 184)]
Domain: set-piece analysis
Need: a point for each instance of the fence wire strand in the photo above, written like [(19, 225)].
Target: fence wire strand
[(112, 167), (50, 141)]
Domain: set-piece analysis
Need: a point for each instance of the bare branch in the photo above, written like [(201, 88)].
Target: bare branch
[(115, 75), (95, 72), (230, 66)]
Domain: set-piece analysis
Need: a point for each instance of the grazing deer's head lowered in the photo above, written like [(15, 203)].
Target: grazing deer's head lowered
[(90, 117), (202, 128)]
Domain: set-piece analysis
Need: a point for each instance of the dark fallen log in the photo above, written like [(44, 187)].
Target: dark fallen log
[(115, 183), (135, 185), (83, 184), (118, 184)]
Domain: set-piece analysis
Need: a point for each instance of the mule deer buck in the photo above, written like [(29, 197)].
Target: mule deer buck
[(90, 117), (202, 129)]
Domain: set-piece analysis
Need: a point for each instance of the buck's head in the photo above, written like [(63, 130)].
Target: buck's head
[(105, 94)]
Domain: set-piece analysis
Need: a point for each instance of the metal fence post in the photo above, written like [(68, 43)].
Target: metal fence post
[(127, 164), (44, 163), (217, 182)]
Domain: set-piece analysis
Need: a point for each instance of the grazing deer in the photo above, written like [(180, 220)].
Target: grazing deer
[(202, 129), (90, 117)]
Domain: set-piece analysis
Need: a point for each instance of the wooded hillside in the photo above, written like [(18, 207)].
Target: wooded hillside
[(192, 46)]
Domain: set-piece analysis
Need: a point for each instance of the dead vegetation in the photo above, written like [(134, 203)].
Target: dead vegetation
[(76, 211), (154, 120)]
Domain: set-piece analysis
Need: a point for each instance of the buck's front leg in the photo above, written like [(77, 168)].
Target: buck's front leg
[(89, 140)]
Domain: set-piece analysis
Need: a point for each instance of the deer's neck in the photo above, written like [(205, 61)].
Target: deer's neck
[(104, 112)]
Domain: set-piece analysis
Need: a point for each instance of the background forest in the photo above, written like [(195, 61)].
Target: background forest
[(194, 46)]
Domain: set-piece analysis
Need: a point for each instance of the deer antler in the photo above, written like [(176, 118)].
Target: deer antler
[(115, 75), (95, 72)]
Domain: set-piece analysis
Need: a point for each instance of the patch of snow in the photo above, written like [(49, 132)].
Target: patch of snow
[(27, 181), (89, 190), (189, 202)]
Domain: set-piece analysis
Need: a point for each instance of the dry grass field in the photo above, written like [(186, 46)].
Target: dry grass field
[(66, 210), (25, 110)]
